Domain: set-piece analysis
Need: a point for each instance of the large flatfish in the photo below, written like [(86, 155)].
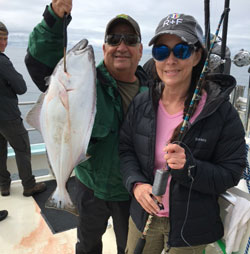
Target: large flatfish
[(64, 115)]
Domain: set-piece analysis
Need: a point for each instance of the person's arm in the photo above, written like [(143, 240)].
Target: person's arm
[(129, 164), (133, 178), (12, 78), (45, 47)]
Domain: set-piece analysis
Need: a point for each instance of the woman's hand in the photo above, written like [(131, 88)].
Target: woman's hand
[(143, 194), (61, 6), (175, 156)]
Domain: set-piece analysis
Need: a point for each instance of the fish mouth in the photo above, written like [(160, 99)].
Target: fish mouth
[(81, 46)]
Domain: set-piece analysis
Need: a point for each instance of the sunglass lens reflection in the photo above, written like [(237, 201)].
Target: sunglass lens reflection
[(129, 39), (181, 51)]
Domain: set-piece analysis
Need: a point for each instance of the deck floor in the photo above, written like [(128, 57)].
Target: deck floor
[(25, 231)]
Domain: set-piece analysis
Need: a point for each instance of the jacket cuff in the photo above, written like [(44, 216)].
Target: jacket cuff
[(52, 20), (48, 17)]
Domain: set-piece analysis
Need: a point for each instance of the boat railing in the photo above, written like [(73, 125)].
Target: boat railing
[(242, 104), (237, 98), (38, 150)]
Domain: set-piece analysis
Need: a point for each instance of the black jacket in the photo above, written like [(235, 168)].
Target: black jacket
[(11, 84), (216, 141)]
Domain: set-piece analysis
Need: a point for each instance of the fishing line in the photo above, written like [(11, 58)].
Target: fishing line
[(189, 192), (65, 38)]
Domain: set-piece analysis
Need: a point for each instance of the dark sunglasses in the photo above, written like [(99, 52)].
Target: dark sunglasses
[(116, 39), (181, 51)]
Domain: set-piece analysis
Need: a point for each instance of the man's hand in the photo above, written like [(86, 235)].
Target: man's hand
[(61, 6), (143, 194)]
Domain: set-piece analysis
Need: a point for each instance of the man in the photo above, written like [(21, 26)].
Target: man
[(11, 125), (100, 192), (3, 214)]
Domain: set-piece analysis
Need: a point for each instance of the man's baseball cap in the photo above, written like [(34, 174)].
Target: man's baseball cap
[(123, 18), (184, 26), (3, 29)]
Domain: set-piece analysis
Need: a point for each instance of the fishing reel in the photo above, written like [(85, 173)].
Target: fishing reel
[(214, 62), (242, 58)]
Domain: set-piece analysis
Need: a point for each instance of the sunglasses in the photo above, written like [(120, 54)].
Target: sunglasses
[(116, 39), (181, 51)]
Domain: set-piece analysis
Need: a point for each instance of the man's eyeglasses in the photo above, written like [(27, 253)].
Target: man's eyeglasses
[(181, 51), (116, 39)]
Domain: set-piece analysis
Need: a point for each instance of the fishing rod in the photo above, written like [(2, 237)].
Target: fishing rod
[(65, 38), (224, 36), (247, 114), (207, 23), (199, 83), (161, 176)]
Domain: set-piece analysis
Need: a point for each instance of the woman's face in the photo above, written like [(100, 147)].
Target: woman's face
[(175, 72)]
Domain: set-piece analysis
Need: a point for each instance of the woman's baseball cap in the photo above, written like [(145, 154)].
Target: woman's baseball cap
[(184, 26)]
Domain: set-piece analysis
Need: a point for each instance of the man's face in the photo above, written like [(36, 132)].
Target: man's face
[(3, 42), (122, 60)]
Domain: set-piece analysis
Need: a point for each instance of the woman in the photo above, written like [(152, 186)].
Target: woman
[(207, 161)]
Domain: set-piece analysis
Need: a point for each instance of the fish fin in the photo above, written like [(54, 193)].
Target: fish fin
[(32, 116), (64, 99)]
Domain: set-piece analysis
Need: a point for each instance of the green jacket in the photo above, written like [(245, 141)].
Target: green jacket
[(101, 172)]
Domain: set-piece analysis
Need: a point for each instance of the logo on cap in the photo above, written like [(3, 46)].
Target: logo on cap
[(174, 16), (173, 19), (124, 16)]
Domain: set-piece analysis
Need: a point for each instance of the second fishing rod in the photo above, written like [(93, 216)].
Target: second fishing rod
[(161, 176)]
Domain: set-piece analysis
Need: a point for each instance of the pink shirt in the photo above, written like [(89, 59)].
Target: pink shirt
[(165, 126)]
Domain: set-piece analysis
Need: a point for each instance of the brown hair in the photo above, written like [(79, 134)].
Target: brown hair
[(3, 29), (195, 78)]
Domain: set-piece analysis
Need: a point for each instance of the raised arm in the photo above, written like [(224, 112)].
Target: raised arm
[(45, 47)]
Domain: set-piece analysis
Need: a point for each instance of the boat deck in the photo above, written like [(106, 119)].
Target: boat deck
[(25, 231)]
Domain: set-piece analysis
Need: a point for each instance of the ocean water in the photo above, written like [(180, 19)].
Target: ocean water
[(17, 54)]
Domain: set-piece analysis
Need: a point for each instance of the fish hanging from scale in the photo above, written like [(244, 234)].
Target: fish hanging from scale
[(65, 115)]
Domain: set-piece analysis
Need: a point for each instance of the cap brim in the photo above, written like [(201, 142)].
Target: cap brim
[(3, 32), (187, 37)]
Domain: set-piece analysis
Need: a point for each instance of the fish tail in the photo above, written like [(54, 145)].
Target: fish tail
[(61, 200)]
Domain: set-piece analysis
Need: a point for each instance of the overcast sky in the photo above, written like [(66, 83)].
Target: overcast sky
[(90, 17)]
